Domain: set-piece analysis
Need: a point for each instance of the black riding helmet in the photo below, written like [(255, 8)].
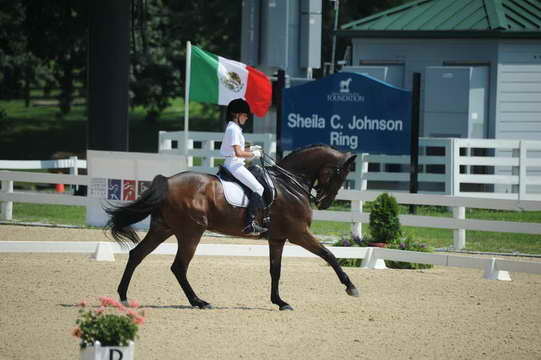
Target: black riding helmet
[(237, 106)]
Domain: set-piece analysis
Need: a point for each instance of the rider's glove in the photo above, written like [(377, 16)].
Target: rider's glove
[(256, 154), (255, 147)]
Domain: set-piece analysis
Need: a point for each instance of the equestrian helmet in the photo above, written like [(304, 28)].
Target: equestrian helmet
[(238, 106)]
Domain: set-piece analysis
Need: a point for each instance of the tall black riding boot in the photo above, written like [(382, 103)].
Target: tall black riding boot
[(255, 205)]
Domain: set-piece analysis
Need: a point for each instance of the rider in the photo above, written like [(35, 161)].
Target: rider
[(233, 150)]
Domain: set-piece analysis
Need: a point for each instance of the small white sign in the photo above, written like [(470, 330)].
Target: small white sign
[(124, 176)]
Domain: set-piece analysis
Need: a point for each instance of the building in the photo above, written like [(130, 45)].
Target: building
[(480, 62)]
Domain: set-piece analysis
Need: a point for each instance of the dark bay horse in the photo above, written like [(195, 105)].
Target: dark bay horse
[(187, 204)]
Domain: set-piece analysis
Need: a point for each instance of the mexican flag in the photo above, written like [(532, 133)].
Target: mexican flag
[(217, 80)]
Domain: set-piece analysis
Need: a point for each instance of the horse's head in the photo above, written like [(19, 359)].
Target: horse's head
[(330, 179), (322, 167)]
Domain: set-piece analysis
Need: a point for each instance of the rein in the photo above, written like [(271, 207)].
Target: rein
[(288, 175)]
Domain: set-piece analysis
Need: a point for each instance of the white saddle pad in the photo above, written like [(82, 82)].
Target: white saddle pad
[(234, 194)]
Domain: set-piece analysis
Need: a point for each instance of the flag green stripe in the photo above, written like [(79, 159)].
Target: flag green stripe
[(204, 77)]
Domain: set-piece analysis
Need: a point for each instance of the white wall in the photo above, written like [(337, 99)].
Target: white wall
[(417, 54)]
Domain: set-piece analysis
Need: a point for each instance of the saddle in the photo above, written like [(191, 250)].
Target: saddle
[(237, 194)]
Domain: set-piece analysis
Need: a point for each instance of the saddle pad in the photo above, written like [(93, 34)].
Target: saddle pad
[(234, 194)]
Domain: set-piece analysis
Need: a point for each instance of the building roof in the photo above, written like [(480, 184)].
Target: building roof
[(445, 18)]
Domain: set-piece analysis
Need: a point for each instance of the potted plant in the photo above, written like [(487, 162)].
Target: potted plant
[(107, 332), (384, 223)]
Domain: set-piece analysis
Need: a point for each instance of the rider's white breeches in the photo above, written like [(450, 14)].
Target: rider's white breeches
[(238, 170)]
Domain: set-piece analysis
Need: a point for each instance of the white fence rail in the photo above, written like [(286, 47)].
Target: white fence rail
[(73, 163), (506, 169), (458, 223)]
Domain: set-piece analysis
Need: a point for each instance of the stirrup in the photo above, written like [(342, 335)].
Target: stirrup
[(254, 229)]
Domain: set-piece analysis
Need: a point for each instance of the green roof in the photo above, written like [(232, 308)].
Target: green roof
[(430, 17)]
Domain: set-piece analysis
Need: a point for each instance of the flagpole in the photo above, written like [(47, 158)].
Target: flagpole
[(187, 96)]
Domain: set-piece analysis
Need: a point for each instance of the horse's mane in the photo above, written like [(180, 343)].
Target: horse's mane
[(296, 151)]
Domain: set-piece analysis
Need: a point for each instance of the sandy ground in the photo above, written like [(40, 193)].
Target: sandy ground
[(441, 313)]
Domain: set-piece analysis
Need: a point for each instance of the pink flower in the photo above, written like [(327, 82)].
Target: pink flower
[(139, 320), (76, 332), (136, 318), (100, 310), (134, 304), (82, 304), (107, 301)]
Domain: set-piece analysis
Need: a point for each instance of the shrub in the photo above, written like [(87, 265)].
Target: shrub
[(402, 243), (384, 223), (348, 242), (407, 243)]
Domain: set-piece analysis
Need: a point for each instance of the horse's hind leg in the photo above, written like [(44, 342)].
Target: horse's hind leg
[(157, 234), (310, 243), (187, 243)]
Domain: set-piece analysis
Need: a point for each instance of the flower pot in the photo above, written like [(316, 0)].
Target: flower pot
[(98, 352), (377, 244)]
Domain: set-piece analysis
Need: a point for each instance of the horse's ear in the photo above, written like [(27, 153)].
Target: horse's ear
[(349, 162)]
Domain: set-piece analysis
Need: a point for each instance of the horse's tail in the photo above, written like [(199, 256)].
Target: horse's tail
[(122, 217)]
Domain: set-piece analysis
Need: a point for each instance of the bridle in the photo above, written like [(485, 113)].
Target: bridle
[(306, 189)]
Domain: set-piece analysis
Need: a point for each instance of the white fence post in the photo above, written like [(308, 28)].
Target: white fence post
[(209, 160), (522, 170), (459, 212), (7, 206), (360, 184), (74, 170), (189, 160), (459, 235), (164, 144)]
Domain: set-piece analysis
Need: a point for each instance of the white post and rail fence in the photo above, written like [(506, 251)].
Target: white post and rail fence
[(448, 166)]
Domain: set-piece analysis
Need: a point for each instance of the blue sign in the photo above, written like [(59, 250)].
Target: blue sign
[(349, 111)]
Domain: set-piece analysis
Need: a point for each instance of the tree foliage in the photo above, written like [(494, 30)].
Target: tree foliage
[(45, 43)]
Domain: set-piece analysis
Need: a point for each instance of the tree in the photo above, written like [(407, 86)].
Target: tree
[(57, 34), (17, 64)]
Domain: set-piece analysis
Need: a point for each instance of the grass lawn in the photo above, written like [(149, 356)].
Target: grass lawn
[(436, 238)]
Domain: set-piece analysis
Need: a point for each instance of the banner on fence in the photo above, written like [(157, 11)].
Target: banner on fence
[(122, 176), (349, 111)]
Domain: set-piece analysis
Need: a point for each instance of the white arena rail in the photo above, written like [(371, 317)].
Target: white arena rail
[(494, 269)]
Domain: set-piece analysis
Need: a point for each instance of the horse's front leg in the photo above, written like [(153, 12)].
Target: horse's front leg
[(310, 243), (275, 254)]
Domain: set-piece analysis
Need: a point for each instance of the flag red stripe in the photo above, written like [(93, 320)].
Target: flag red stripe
[(258, 91)]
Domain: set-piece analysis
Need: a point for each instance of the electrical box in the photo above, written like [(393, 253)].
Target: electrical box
[(249, 52), (456, 100), (274, 33), (391, 74), (310, 34)]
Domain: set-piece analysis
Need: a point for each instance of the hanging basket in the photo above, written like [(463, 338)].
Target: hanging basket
[(98, 352)]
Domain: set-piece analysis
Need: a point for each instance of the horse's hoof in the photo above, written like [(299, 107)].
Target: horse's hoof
[(125, 302), (286, 307), (205, 306), (352, 291)]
